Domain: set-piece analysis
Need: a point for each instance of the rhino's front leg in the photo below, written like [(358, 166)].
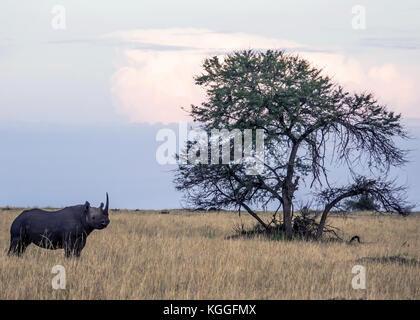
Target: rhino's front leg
[(74, 247)]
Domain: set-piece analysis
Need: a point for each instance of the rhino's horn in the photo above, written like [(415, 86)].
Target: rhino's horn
[(107, 203)]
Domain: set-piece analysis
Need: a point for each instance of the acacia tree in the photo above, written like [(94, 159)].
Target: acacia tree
[(306, 118)]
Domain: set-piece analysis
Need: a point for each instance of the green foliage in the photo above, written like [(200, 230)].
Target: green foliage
[(361, 203)]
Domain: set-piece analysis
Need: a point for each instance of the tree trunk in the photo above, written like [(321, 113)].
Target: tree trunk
[(288, 191), (253, 214), (287, 218), (328, 208), (322, 222)]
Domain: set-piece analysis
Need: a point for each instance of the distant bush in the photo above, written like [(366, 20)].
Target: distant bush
[(361, 203)]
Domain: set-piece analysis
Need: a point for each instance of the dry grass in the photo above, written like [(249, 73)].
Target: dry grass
[(145, 255)]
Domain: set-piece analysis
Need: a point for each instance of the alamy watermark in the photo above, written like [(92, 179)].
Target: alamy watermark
[(58, 282), (58, 21), (219, 146), (359, 280), (358, 22)]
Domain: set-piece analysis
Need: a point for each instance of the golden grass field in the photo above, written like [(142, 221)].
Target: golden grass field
[(147, 255)]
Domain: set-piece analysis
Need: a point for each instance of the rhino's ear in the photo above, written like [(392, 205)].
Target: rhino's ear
[(86, 207)]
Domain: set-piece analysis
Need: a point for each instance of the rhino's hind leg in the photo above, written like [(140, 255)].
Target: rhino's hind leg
[(18, 246)]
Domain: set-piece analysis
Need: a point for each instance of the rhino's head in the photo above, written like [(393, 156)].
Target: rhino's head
[(97, 218)]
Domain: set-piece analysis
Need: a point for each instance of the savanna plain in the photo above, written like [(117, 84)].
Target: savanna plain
[(190, 255)]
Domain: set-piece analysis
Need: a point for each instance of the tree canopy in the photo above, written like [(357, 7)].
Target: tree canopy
[(307, 119)]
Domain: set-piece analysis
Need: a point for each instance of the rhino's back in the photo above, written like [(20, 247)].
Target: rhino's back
[(37, 221)]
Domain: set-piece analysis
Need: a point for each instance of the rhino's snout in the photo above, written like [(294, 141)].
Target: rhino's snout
[(104, 223)]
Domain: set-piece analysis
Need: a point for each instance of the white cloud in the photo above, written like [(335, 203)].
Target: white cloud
[(155, 85), (391, 84), (156, 81)]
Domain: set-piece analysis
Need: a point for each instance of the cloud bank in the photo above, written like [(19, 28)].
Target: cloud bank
[(154, 78)]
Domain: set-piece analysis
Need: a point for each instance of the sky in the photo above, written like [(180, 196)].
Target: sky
[(86, 86)]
